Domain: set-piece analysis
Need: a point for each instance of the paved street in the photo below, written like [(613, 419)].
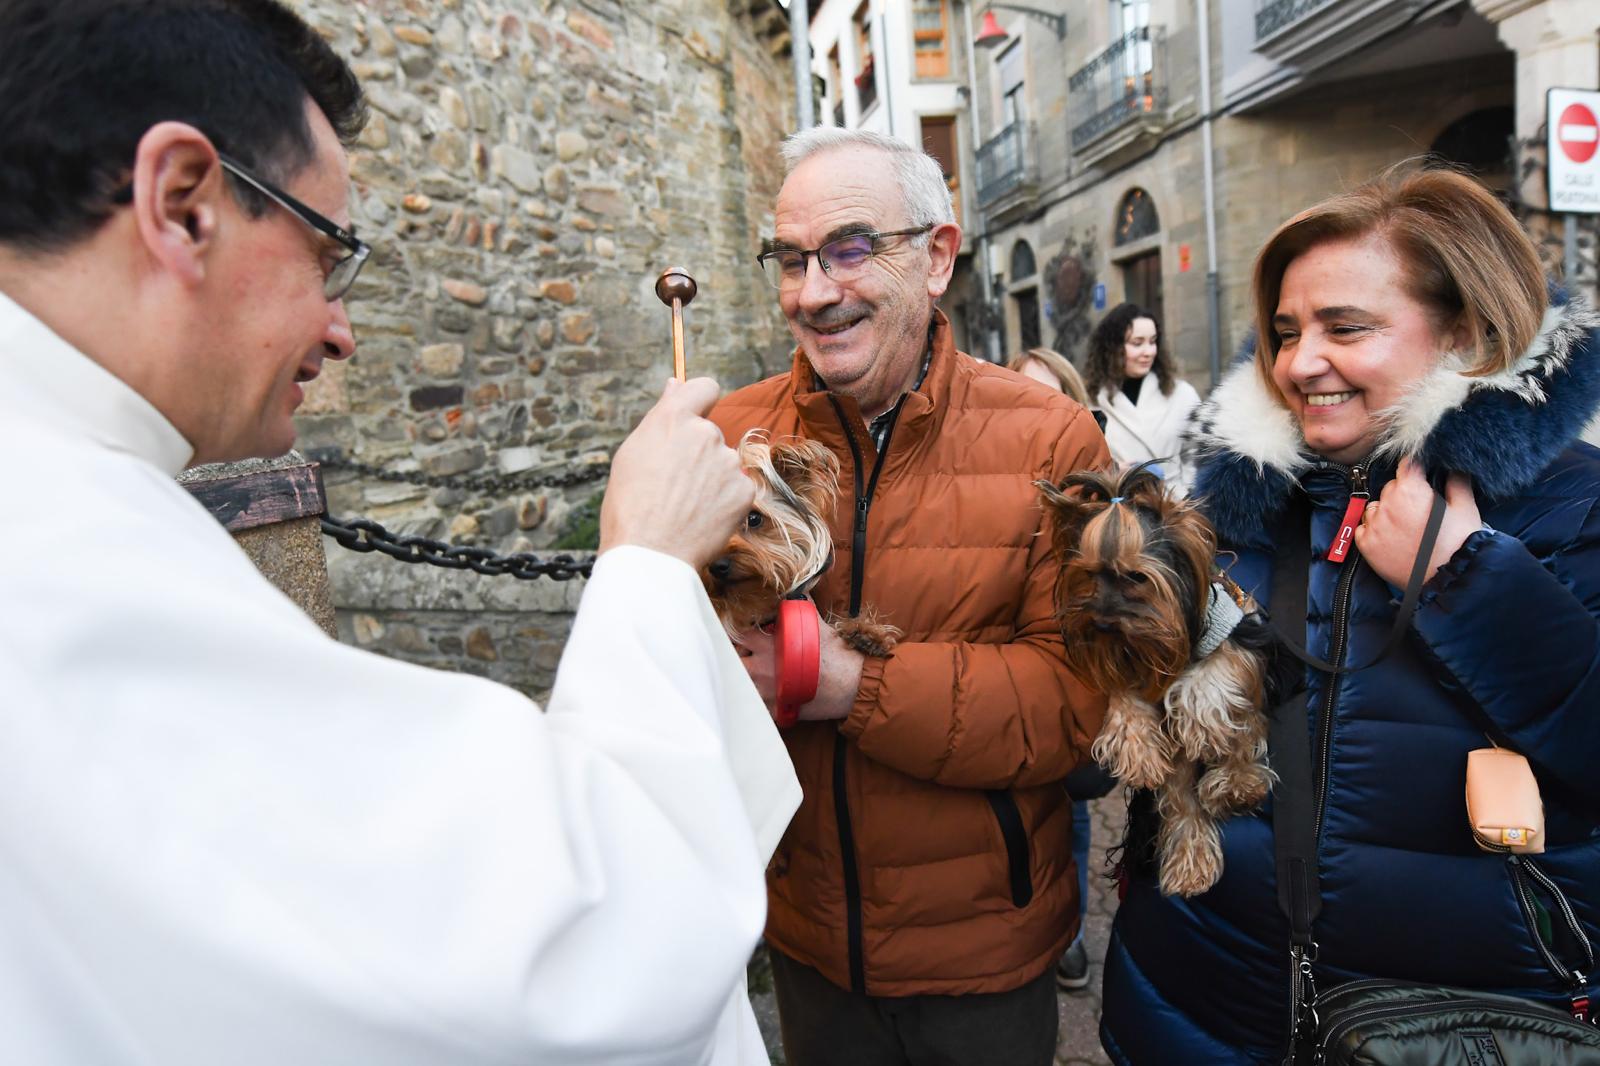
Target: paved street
[(1080, 1011)]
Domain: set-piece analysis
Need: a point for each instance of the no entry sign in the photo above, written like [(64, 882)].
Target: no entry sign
[(1573, 119)]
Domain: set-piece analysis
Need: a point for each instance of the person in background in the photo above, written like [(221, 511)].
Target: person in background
[(1088, 782), (1049, 367), (1407, 337), (1144, 419)]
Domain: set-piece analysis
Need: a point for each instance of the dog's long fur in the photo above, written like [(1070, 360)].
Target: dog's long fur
[(785, 542), (1137, 575)]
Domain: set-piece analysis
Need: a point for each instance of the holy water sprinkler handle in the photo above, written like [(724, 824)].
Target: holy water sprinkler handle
[(676, 289)]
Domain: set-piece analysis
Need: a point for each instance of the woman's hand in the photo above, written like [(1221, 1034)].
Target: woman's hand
[(1391, 529)]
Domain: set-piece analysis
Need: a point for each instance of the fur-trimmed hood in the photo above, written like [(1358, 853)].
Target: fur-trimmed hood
[(1503, 430)]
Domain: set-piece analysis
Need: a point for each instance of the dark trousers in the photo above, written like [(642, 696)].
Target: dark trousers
[(825, 1025)]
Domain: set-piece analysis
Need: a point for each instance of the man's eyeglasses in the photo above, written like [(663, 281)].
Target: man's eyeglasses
[(344, 271), (841, 259)]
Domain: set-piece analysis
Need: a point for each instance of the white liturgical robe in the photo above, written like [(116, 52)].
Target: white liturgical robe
[(227, 840)]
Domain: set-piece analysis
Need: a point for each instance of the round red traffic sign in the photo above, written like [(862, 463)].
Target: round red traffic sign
[(1578, 133)]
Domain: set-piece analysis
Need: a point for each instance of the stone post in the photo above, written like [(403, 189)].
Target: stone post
[(273, 507)]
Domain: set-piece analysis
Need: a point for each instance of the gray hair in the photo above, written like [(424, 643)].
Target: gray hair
[(922, 185)]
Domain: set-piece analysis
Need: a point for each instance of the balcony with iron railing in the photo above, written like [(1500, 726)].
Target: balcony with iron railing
[(1005, 167), (1311, 33), (1123, 89), (1274, 15)]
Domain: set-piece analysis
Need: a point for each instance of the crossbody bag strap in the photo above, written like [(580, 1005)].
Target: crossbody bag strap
[(1294, 838)]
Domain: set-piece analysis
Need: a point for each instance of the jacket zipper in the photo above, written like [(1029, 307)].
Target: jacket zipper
[(1576, 980), (1302, 977), (865, 488), (1341, 632)]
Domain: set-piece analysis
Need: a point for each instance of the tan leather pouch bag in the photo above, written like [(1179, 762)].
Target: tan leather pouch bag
[(1503, 804)]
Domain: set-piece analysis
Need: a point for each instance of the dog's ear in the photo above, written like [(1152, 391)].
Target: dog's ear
[(1073, 503), (754, 452), (810, 469)]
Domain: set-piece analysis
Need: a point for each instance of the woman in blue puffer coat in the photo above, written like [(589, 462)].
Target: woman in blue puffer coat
[(1409, 337)]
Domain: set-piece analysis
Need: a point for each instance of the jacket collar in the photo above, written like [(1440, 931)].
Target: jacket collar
[(920, 409), (1503, 430), (48, 378)]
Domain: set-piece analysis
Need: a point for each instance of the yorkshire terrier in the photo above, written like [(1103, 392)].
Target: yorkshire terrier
[(785, 545), (1184, 655)]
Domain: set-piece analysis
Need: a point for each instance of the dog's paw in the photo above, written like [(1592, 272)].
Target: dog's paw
[(867, 635), (1232, 788), (1191, 857), (1132, 745)]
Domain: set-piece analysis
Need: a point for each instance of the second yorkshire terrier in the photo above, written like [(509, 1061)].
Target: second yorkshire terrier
[(1184, 655), (785, 545)]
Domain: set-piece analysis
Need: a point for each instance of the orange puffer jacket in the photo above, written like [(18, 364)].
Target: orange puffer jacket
[(932, 852)]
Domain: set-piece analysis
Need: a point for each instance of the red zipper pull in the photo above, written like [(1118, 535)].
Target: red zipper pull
[(1352, 516)]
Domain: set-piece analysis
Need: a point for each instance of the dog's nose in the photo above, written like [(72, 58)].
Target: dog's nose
[(721, 568)]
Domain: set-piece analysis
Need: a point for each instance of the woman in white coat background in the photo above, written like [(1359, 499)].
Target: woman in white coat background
[(1144, 418)]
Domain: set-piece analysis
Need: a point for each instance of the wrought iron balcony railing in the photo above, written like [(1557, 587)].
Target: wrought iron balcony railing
[(1126, 81), (1274, 15), (1003, 163)]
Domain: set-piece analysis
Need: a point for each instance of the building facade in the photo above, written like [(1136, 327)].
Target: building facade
[(1090, 180)]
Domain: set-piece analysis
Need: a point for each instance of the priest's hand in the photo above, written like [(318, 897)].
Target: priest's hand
[(839, 673), (675, 486)]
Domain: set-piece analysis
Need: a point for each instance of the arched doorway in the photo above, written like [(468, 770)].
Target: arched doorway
[(1481, 141), (1024, 289), (1137, 228)]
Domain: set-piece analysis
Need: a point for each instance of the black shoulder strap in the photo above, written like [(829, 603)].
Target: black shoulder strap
[(1289, 738)]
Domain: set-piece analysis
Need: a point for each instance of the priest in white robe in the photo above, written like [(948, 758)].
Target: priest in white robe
[(226, 838)]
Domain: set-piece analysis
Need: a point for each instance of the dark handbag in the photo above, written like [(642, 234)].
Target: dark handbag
[(1390, 1023)]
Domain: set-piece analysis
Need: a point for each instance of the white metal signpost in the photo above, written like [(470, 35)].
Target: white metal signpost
[(1573, 119)]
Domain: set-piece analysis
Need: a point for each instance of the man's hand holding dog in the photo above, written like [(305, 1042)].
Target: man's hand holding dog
[(676, 487), (839, 673)]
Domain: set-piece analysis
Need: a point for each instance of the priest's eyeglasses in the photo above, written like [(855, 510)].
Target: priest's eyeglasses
[(343, 273), (842, 258)]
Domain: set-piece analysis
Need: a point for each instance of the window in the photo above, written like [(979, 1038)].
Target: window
[(836, 79), (939, 141), (1129, 15), (1136, 217), (866, 79), (930, 37), (1011, 68), (1132, 17), (1022, 261)]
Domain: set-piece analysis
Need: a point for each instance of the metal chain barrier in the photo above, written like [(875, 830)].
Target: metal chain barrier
[(498, 484), (365, 535)]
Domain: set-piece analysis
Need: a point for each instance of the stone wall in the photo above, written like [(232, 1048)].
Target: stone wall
[(529, 170)]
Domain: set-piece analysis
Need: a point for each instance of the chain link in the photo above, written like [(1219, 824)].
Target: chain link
[(494, 484), (365, 535)]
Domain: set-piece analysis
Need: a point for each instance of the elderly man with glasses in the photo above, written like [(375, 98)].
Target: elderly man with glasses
[(227, 838), (923, 892)]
